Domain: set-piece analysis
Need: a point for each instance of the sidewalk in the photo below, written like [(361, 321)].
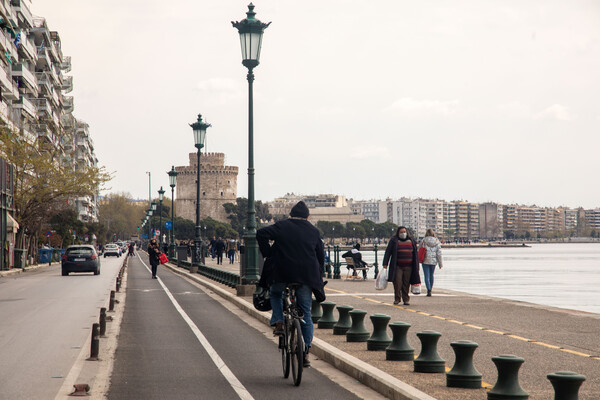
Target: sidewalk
[(549, 339)]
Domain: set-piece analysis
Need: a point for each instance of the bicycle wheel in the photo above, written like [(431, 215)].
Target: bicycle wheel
[(297, 351), (285, 350)]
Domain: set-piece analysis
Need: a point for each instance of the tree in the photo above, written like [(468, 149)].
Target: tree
[(64, 222), (120, 216), (238, 213), (43, 183)]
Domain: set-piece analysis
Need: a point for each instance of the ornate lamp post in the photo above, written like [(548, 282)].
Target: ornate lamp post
[(152, 211), (161, 197), (199, 128), (172, 182), (251, 32)]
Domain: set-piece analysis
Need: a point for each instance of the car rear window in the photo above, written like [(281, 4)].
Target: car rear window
[(80, 250)]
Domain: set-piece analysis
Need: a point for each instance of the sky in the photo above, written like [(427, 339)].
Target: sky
[(474, 100)]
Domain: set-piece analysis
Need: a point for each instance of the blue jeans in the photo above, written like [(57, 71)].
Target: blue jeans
[(304, 299), (428, 275)]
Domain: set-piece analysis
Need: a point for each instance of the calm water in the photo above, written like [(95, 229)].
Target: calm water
[(558, 275)]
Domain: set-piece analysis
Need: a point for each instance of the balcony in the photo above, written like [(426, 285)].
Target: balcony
[(9, 87), (44, 81), (67, 84), (28, 47), (42, 105), (22, 9), (66, 64), (68, 105), (22, 70), (26, 106)]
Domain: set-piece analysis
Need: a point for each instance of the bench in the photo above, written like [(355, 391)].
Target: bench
[(350, 263)]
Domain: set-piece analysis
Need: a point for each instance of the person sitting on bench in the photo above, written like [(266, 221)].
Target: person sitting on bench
[(358, 261)]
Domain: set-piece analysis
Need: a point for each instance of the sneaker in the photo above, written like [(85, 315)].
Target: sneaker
[(429, 293), (396, 303), (306, 362), (406, 303), (278, 331)]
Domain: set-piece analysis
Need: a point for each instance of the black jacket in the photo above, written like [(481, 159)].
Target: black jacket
[(297, 254), (153, 252), (391, 252)]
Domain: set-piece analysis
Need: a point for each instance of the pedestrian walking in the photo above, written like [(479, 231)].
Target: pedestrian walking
[(231, 250), (402, 257), (433, 256), (296, 256), (153, 252), (213, 244), (220, 247)]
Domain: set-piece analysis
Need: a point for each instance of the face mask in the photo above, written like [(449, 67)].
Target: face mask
[(402, 236)]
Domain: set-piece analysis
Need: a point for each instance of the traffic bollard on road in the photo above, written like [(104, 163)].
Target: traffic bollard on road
[(379, 339), (111, 303), (315, 311), (566, 384), (464, 374), (399, 349), (327, 321), (429, 360), (357, 332), (95, 346), (103, 322), (344, 323)]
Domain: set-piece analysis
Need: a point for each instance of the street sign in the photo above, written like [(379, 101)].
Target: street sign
[(157, 232), (48, 234), (168, 225)]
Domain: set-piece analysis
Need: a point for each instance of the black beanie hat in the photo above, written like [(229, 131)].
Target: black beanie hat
[(357, 246), (299, 210)]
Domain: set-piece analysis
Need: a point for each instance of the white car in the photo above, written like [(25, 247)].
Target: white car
[(112, 249)]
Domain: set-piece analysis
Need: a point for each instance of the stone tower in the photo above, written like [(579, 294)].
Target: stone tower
[(218, 185)]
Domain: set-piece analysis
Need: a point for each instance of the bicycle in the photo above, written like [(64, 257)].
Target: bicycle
[(291, 342)]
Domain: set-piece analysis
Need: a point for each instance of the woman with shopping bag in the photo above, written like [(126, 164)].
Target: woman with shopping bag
[(402, 258)]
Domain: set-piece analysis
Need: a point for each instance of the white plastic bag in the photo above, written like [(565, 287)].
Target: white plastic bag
[(381, 280), (415, 289)]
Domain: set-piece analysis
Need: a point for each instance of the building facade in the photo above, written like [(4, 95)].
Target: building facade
[(218, 185)]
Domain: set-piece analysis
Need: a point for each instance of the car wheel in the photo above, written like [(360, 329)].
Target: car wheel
[(64, 273), (105, 256), (97, 271)]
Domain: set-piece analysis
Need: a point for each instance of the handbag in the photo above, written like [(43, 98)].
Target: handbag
[(415, 289), (381, 280), (162, 257), (422, 254)]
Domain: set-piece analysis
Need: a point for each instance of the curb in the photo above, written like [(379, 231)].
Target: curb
[(15, 271), (368, 375)]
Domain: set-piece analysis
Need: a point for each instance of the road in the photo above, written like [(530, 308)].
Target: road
[(178, 342), (45, 320)]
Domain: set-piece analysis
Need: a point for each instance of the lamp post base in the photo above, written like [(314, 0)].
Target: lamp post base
[(245, 290)]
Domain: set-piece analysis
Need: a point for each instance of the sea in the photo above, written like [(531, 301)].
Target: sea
[(564, 275)]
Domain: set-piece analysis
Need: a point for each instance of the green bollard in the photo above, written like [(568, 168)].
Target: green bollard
[(344, 323), (464, 374), (327, 321), (379, 340), (507, 386), (316, 311), (357, 332), (429, 360), (566, 384), (399, 349)]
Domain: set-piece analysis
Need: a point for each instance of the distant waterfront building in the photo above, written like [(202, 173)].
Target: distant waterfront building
[(373, 210), (323, 207), (218, 185), (491, 221), (592, 218)]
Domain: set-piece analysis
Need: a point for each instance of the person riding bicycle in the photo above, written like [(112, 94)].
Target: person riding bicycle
[(296, 256)]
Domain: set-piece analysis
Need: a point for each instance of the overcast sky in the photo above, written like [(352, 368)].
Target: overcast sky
[(475, 100)]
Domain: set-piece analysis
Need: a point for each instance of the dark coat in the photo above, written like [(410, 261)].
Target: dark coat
[(297, 254), (219, 246), (153, 252), (391, 252)]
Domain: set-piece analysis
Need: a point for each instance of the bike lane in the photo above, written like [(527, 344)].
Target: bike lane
[(160, 356)]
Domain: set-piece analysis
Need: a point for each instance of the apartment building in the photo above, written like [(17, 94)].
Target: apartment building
[(373, 210), (490, 221), (34, 88), (592, 218)]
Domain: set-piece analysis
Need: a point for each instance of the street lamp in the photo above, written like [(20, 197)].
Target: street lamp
[(251, 32), (153, 209), (172, 182), (199, 128), (161, 196)]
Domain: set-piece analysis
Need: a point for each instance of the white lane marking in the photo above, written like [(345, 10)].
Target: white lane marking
[(231, 378)]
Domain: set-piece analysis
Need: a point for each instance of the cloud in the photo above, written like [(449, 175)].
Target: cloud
[(514, 109), (372, 151), (418, 108), (555, 112), (222, 89)]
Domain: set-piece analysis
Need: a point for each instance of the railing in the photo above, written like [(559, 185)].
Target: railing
[(335, 262), (228, 278), (66, 64), (22, 7)]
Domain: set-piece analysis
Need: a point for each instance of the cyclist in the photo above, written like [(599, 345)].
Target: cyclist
[(297, 256)]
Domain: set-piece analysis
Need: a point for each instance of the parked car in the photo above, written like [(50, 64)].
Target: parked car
[(80, 258), (112, 249)]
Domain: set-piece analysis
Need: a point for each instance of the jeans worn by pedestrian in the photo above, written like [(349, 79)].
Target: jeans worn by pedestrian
[(304, 300), (428, 270)]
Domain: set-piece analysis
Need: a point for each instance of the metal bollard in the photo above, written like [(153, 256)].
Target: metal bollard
[(464, 374), (103, 322), (95, 346), (566, 384), (429, 360), (118, 285), (81, 389), (379, 340), (507, 386), (111, 304), (327, 321), (344, 323), (316, 311), (357, 332), (399, 349)]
